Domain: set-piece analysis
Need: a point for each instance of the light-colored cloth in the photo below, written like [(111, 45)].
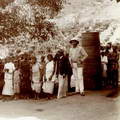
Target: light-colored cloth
[(104, 61), (63, 87), (49, 69), (110, 50), (36, 87), (17, 81), (77, 54), (35, 67), (48, 87), (78, 76), (50, 84), (8, 78), (36, 84)]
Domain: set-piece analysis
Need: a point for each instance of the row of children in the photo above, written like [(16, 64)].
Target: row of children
[(110, 65), (24, 76)]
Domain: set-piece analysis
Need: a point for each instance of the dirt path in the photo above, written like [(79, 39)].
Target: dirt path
[(94, 106)]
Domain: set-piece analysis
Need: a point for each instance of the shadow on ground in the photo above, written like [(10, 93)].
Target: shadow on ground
[(114, 93)]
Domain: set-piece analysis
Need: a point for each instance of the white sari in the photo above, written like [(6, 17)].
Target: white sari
[(8, 78)]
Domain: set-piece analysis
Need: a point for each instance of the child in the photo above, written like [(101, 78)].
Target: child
[(17, 81), (25, 78), (49, 72), (9, 69), (42, 68), (104, 61), (36, 84)]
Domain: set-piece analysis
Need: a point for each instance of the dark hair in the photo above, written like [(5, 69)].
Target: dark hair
[(34, 58), (42, 57), (50, 56), (102, 53), (60, 52), (115, 48)]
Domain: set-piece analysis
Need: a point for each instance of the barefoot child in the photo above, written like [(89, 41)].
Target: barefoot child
[(17, 81), (49, 72), (36, 84), (9, 69)]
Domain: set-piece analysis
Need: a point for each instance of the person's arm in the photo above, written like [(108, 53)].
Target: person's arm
[(70, 59), (117, 57), (12, 69), (64, 67), (5, 70), (83, 54), (53, 72), (44, 72), (105, 60)]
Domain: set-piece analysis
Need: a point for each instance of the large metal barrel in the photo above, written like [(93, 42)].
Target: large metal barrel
[(92, 65)]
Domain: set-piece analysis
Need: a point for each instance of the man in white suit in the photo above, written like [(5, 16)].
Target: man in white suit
[(77, 55)]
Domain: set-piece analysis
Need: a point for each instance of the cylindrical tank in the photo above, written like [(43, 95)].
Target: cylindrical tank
[(92, 65)]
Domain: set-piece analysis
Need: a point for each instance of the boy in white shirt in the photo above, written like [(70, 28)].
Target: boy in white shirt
[(104, 62)]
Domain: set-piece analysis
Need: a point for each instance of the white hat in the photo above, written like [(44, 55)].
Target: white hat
[(74, 39)]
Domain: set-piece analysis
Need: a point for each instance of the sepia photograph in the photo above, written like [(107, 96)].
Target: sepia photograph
[(59, 59)]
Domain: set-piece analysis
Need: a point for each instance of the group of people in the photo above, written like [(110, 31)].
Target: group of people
[(25, 76), (110, 65)]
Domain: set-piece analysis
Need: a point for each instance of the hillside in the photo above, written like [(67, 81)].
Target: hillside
[(95, 15)]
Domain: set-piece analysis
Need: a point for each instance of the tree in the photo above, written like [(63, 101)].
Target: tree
[(4, 3), (16, 20), (54, 5)]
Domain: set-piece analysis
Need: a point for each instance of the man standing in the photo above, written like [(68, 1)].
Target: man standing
[(113, 58), (77, 55)]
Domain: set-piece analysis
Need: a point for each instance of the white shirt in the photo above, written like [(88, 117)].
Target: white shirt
[(49, 69), (77, 53), (36, 67), (10, 66), (50, 66), (104, 59), (9, 75)]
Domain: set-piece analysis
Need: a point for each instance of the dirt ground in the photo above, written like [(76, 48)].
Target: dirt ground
[(94, 106)]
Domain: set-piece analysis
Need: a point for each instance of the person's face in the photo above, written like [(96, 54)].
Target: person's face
[(109, 45), (49, 58), (114, 48), (74, 44), (102, 54), (34, 61), (9, 59), (65, 53)]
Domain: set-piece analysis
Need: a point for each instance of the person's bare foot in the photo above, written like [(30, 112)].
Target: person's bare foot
[(82, 94), (1, 97)]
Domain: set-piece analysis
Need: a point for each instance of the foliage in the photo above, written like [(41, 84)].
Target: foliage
[(4, 3), (28, 18), (10, 25), (54, 5)]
